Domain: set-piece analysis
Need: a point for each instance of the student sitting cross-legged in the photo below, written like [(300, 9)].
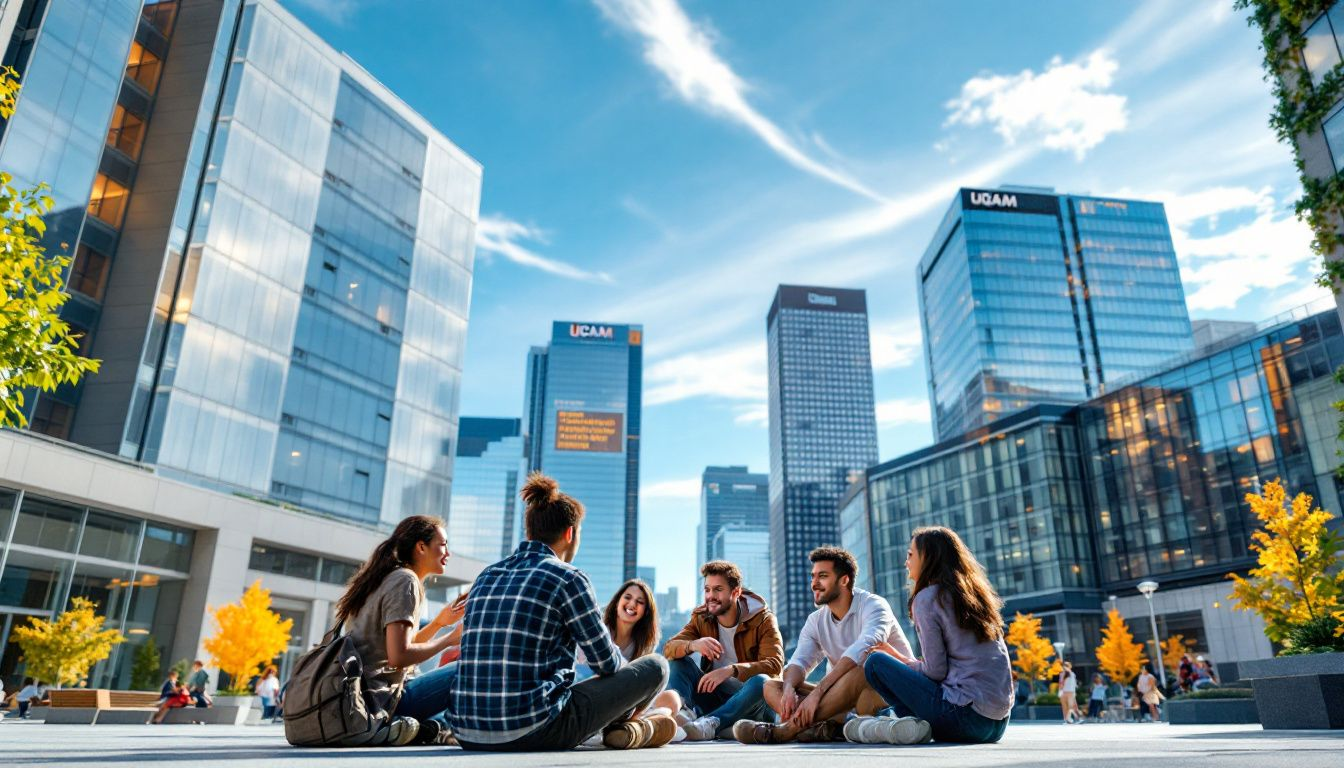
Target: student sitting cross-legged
[(526, 615), (738, 640), (848, 621), (962, 688)]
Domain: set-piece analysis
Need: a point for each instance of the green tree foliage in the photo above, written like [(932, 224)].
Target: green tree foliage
[(63, 651), (147, 666)]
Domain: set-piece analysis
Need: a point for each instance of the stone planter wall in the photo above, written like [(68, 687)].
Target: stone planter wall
[(1212, 711), (1298, 692)]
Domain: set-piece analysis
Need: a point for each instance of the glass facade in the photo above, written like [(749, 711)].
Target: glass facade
[(51, 551), (747, 547), (823, 430), (1031, 298), (487, 476), (856, 531), (585, 400), (1064, 505), (730, 495), (315, 341)]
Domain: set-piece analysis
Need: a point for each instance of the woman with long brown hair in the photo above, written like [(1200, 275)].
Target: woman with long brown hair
[(962, 688), (631, 617), (381, 608)]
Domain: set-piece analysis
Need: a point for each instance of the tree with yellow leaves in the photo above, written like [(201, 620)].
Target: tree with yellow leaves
[(250, 634), (1119, 656), (1297, 578), (1173, 648), (1032, 653), (63, 651)]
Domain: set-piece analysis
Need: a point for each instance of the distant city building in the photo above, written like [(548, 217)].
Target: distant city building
[(747, 547), (272, 256), (583, 399), (856, 530), (823, 429), (1320, 149), (1031, 297), (649, 576), (1206, 333), (487, 475), (1066, 506), (729, 495)]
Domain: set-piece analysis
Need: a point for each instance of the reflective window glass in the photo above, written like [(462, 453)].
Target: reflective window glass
[(1334, 137), (107, 201), (48, 524), (7, 499), (52, 418), (34, 581), (166, 547), (143, 66), (126, 132), (109, 537)]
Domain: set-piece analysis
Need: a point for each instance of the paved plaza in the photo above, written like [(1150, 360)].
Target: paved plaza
[(1149, 745)]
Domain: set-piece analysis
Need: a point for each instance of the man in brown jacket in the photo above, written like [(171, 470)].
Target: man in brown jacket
[(740, 648)]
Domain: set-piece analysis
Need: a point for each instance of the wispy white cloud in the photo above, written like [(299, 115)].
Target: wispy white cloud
[(731, 373), (686, 488), (504, 237), (1065, 107), (1153, 35), (755, 414), (683, 52), (901, 411), (896, 345), (336, 11)]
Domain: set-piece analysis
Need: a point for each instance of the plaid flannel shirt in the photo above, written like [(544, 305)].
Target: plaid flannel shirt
[(525, 616)]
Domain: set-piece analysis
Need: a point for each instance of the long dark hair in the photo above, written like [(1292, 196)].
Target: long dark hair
[(395, 552), (645, 631), (946, 562)]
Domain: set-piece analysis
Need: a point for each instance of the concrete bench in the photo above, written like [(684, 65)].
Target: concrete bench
[(90, 706)]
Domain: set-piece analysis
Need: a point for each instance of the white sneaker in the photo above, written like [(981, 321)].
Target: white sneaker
[(909, 730), (888, 730), (702, 729)]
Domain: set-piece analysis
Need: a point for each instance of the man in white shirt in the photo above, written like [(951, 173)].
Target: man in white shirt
[(847, 622)]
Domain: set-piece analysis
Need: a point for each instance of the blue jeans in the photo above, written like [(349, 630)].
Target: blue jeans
[(426, 696), (910, 693), (733, 700)]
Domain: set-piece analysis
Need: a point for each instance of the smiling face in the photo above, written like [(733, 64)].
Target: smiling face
[(719, 597), (431, 557), (632, 606), (826, 585)]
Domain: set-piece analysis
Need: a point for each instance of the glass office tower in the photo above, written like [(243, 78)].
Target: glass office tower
[(584, 395), (275, 265), (747, 547), (487, 475), (1030, 298), (823, 430), (728, 496)]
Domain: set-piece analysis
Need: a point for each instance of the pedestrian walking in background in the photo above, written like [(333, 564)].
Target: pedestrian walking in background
[(1096, 703), (1149, 692), (268, 688), (1068, 694)]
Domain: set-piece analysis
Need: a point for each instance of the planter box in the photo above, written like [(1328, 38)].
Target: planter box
[(1298, 692), (225, 710), (1043, 712), (1212, 711)]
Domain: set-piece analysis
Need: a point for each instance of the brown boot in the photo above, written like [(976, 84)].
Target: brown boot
[(663, 730), (826, 730), (630, 734)]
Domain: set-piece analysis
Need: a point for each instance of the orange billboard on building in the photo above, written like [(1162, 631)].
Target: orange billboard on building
[(591, 431)]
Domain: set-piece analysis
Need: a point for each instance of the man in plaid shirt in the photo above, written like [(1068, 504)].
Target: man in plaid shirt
[(515, 687)]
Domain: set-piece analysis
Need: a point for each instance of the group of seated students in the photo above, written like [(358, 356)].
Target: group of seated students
[(512, 642)]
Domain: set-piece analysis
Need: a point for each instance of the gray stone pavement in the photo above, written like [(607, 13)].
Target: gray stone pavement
[(1026, 744)]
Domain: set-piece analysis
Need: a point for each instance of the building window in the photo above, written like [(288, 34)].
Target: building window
[(159, 14), (126, 132), (1334, 137), (107, 201), (1321, 53), (143, 67), (88, 273), (51, 418), (282, 561)]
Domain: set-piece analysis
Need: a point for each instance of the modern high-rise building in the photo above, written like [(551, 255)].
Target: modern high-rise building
[(1067, 506), (272, 255), (272, 252), (747, 547), (856, 530), (728, 496), (823, 429), (583, 399), (489, 471), (649, 575), (1030, 297)]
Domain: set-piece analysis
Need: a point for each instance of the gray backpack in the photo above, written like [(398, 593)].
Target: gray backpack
[(328, 703)]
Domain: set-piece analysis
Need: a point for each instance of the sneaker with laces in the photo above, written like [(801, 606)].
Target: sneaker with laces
[(402, 731), (433, 732), (702, 729)]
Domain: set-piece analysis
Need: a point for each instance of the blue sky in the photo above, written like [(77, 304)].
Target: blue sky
[(665, 163)]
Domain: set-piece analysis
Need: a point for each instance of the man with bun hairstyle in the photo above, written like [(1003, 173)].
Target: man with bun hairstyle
[(526, 616), (738, 640)]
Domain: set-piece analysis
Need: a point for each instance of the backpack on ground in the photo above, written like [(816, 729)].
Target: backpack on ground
[(329, 703)]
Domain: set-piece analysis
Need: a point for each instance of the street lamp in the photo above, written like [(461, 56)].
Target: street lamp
[(1059, 650), (1148, 588)]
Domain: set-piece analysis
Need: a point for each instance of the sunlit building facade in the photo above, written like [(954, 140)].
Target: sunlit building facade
[(489, 471), (1030, 297), (731, 496), (584, 395), (823, 430)]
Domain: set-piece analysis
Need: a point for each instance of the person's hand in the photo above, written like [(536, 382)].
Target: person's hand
[(455, 637), (807, 710), (890, 650), (452, 612), (453, 653), (713, 680), (788, 702), (708, 647)]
